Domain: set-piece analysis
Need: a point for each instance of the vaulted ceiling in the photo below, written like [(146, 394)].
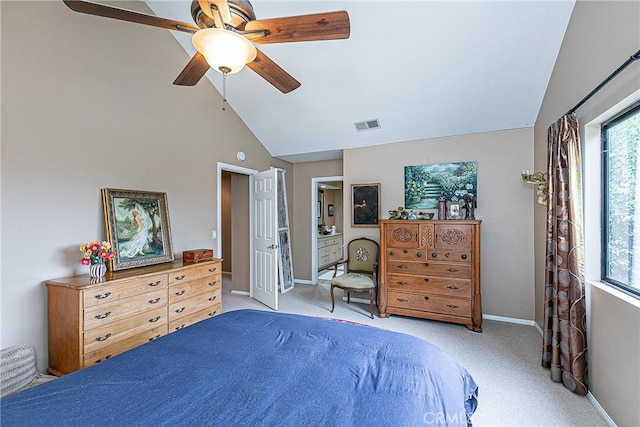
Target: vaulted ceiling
[(423, 69)]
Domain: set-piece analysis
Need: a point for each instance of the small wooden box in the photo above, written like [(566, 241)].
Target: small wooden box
[(197, 255)]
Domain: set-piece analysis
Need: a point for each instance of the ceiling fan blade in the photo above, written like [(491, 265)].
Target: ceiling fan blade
[(193, 72), (273, 73), (320, 26), (103, 10)]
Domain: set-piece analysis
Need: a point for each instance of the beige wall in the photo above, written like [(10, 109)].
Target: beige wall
[(240, 232), (225, 227), (88, 103), (601, 36), (301, 228), (505, 204)]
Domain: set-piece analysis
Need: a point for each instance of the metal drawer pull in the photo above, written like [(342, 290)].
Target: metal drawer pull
[(453, 270), (447, 254), (404, 251), (452, 287), (105, 358), (402, 266), (392, 253), (426, 298), (154, 301), (153, 338), (154, 320), (452, 306), (212, 283), (419, 254), (403, 283), (402, 299), (102, 316), (102, 296), (177, 328), (179, 277), (426, 264), (180, 292), (212, 298), (180, 310), (426, 279), (434, 255), (213, 270), (463, 256), (213, 314), (153, 284), (106, 337)]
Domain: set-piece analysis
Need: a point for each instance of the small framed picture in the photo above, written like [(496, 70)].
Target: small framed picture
[(330, 210), (365, 205), (454, 210)]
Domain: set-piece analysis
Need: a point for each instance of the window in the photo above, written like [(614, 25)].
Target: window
[(621, 200)]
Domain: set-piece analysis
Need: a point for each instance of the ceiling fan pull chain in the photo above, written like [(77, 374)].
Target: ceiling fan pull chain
[(225, 71)]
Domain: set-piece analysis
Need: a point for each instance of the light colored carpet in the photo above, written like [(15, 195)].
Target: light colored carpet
[(514, 390)]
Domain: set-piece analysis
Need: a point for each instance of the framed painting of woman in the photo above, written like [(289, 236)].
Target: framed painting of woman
[(137, 225)]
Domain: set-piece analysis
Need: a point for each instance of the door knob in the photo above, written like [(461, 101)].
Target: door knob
[(272, 246)]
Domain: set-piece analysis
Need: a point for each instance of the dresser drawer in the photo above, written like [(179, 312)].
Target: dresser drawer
[(182, 291), (105, 314), (436, 285), (108, 293), (431, 303), (121, 346), (193, 272), (193, 304), (432, 254), (429, 268), (117, 331), (453, 236), (185, 321)]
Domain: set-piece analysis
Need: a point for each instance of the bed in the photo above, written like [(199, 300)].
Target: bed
[(251, 367)]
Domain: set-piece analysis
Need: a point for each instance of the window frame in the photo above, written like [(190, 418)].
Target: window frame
[(604, 179)]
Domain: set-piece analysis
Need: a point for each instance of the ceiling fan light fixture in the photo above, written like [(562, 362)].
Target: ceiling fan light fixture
[(225, 51)]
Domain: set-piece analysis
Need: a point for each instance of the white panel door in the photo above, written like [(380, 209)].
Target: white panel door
[(264, 280)]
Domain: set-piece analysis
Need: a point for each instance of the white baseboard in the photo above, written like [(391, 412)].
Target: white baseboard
[(600, 410), (233, 291), (508, 319)]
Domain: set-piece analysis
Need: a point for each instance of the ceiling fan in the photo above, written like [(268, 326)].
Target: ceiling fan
[(225, 33)]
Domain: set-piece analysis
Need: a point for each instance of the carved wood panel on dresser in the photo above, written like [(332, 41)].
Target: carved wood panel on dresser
[(431, 270), (91, 322)]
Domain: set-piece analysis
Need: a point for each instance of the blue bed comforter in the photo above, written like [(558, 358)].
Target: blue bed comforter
[(254, 368)]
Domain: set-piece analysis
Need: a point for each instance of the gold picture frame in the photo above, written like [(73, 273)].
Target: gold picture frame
[(454, 210), (137, 226)]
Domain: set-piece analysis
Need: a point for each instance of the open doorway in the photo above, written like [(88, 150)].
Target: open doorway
[(233, 229), (327, 224)]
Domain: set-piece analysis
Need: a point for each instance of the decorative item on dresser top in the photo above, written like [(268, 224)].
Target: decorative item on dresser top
[(431, 270), (91, 322)]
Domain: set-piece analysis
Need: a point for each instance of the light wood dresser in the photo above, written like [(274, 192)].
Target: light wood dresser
[(431, 270), (90, 322)]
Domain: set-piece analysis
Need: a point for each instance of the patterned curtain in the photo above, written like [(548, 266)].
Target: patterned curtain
[(564, 348)]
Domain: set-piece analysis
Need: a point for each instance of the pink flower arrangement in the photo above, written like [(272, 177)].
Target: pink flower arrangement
[(96, 253)]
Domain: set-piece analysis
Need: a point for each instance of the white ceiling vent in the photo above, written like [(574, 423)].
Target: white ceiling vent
[(367, 125)]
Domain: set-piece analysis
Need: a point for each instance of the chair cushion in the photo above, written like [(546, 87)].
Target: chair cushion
[(354, 281)]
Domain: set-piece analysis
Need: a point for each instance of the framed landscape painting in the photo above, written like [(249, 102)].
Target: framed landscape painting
[(137, 225), (423, 184), (365, 202)]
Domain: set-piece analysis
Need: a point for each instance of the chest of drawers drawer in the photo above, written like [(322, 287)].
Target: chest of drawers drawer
[(108, 313), (430, 303), (181, 291), (437, 285), (113, 349), (196, 303), (125, 289), (184, 321), (429, 268)]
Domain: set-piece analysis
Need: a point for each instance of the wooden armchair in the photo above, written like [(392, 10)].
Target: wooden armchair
[(361, 271)]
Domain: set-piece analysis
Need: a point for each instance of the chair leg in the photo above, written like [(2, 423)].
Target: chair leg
[(333, 302), (371, 303), (348, 297)]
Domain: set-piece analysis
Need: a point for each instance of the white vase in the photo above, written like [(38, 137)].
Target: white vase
[(97, 270)]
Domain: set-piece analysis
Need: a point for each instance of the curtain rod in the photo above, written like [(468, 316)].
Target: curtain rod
[(632, 58)]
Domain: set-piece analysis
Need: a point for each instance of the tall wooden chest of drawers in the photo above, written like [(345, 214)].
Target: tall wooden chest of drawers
[(431, 270), (91, 322)]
